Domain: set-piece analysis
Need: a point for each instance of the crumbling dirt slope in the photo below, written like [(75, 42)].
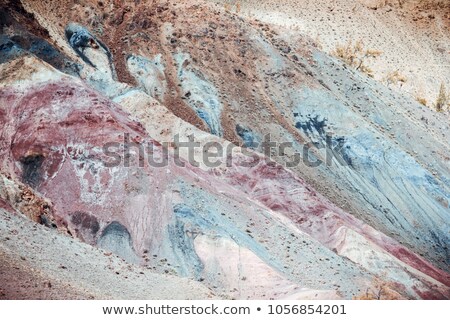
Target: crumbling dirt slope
[(414, 35), (40, 263)]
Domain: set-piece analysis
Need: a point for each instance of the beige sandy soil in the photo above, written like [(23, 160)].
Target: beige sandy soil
[(40, 263), (414, 35)]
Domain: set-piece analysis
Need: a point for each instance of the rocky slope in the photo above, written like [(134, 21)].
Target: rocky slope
[(413, 35), (40, 263), (75, 76)]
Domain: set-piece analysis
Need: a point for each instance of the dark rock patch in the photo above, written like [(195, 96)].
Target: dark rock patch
[(32, 170), (312, 123), (85, 221), (117, 239), (249, 139)]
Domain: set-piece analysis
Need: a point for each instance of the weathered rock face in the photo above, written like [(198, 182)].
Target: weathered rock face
[(224, 225)]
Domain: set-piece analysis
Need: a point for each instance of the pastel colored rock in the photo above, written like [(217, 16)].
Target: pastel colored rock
[(93, 125)]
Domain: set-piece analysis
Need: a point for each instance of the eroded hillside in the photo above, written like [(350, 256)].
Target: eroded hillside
[(77, 75), (413, 35)]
